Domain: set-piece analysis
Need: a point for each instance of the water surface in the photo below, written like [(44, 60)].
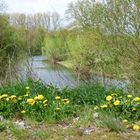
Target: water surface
[(58, 75)]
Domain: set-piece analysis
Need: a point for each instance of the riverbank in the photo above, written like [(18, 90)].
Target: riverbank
[(81, 112), (64, 130), (67, 64)]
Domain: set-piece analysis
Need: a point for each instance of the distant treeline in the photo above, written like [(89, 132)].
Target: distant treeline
[(102, 38), (23, 35)]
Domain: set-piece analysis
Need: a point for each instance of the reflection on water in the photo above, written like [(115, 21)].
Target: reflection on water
[(39, 68), (58, 75)]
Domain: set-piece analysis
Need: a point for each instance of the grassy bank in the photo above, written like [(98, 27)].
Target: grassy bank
[(61, 131), (78, 113), (67, 64)]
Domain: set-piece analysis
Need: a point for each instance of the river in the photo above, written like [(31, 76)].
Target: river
[(58, 75)]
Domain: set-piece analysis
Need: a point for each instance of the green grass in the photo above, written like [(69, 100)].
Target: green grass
[(57, 131), (67, 64), (83, 100), (108, 120)]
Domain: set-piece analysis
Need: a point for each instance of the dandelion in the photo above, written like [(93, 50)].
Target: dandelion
[(45, 101), (109, 98), (31, 101), (136, 127), (137, 99), (125, 121), (129, 96), (117, 102), (36, 97), (40, 97), (103, 106), (7, 99), (4, 96), (27, 88), (45, 105), (13, 96), (114, 94), (23, 111), (58, 109), (66, 101), (57, 98)]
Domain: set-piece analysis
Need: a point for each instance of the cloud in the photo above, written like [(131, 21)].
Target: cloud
[(34, 6)]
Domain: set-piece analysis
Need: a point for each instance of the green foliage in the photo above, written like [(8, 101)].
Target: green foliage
[(37, 40), (123, 105), (40, 134), (40, 102), (2, 126), (55, 47), (86, 94), (108, 120), (20, 134), (108, 41)]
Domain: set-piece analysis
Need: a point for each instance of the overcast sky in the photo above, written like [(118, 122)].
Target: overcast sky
[(34, 6)]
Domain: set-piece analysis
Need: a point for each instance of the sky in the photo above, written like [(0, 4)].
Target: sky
[(35, 6)]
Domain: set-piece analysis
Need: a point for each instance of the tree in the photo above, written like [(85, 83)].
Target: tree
[(117, 24)]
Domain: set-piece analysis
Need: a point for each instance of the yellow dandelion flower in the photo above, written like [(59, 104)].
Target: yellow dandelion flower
[(13, 96), (7, 99), (45, 104), (36, 97), (23, 111), (114, 94), (66, 101), (137, 99), (31, 101), (40, 97), (0, 97), (58, 109), (125, 121), (45, 101), (117, 102), (4, 96), (129, 96), (103, 106), (136, 127), (109, 98), (27, 88), (57, 98)]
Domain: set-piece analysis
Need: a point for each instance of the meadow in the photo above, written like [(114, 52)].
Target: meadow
[(101, 39), (80, 112)]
